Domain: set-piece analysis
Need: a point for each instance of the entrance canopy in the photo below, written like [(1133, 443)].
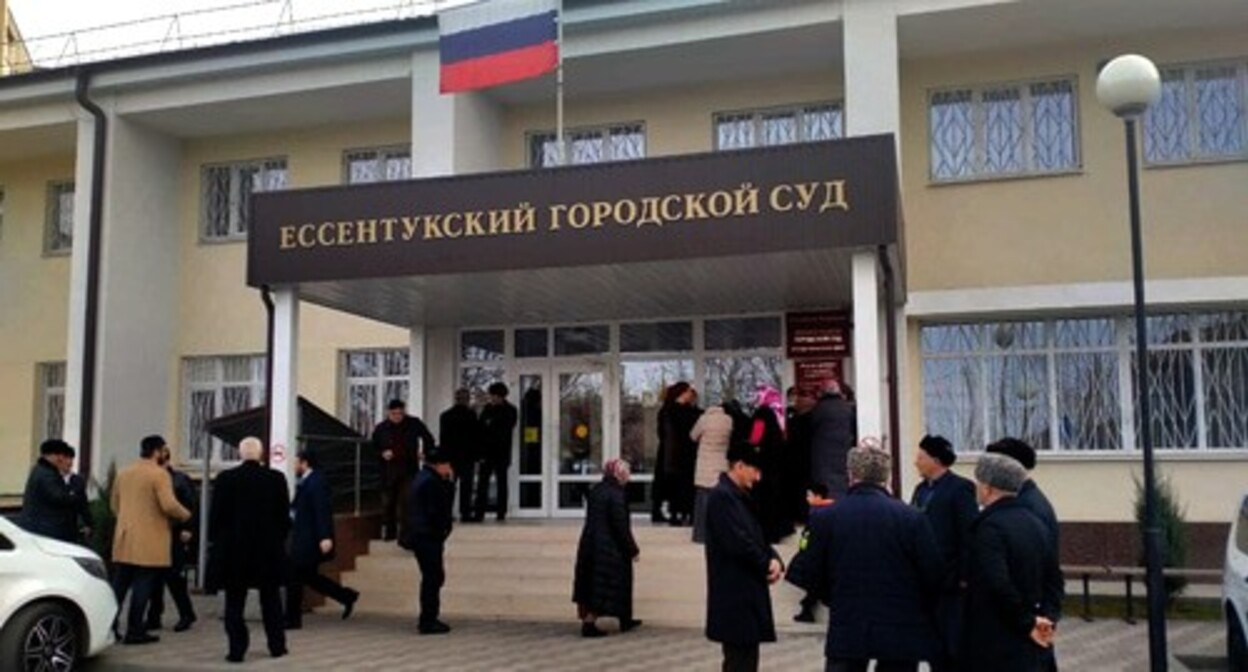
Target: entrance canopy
[(723, 232)]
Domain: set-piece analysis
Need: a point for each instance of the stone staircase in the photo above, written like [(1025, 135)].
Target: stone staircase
[(521, 570)]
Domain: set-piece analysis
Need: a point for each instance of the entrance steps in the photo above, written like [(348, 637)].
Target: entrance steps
[(522, 570)]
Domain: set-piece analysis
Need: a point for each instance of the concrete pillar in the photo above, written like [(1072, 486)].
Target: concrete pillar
[(872, 73), (868, 355), (441, 356), (284, 439), (454, 133), (416, 372), (83, 175)]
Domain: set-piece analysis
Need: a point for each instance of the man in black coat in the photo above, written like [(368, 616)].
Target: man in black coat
[(498, 424), (247, 527), (1032, 497), (430, 500), (948, 502), (399, 440), (833, 432), (181, 553), (312, 542), (459, 435), (55, 500), (739, 565), (1012, 567), (875, 561)]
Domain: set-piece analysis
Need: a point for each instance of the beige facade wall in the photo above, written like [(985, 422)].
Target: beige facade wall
[(220, 314), (34, 308)]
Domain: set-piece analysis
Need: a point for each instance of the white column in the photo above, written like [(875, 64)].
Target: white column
[(872, 75), (283, 442), (868, 355), (441, 356), (83, 175), (416, 380), (454, 133)]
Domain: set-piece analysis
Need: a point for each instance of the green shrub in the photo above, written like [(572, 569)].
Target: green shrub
[(1171, 521), (103, 521)]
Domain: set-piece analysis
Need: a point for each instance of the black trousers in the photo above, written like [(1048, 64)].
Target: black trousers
[(394, 504), (308, 575), (497, 471), (140, 583), (465, 477), (949, 611), (428, 552), (175, 580), (271, 612), (740, 658), (858, 665)]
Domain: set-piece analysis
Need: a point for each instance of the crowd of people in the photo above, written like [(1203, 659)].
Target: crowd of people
[(965, 576)]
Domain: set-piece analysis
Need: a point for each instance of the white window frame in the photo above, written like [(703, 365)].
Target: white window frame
[(238, 223), (45, 396), (378, 382), (979, 172), (217, 386), (757, 114), (382, 155), (1191, 142), (605, 130), (56, 241)]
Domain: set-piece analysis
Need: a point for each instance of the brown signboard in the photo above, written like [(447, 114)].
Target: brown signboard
[(817, 334), (811, 373), (797, 197)]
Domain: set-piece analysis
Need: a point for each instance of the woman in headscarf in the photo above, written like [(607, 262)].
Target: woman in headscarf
[(603, 583), (767, 433)]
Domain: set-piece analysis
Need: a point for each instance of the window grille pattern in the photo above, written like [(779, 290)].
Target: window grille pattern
[(226, 195), (779, 126), (214, 387), (1003, 130), (372, 379), (1200, 116), (1070, 384), (51, 401), (59, 236), (384, 164), (615, 142)]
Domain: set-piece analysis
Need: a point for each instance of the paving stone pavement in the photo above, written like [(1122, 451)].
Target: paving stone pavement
[(375, 642)]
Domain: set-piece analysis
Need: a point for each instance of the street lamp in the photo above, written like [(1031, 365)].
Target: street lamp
[(1127, 86)]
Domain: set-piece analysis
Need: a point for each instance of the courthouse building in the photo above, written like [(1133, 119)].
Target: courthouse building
[(921, 194)]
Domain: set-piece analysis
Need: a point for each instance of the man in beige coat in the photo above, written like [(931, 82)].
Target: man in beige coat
[(144, 503)]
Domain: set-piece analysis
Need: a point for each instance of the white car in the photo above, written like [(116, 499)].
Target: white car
[(1235, 591), (56, 606)]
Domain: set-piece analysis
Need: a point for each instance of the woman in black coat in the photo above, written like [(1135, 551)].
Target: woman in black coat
[(676, 420), (767, 435), (603, 585)]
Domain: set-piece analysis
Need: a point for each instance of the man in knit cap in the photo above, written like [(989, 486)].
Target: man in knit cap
[(948, 502)]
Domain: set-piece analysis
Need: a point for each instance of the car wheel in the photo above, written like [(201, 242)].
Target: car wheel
[(1236, 647), (43, 636)]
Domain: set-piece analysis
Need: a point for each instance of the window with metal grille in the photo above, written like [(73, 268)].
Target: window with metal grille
[(378, 164), (596, 144), (51, 412), (213, 387), (371, 378), (59, 230), (1069, 384), (226, 191), (743, 129), (1202, 115), (1003, 130)]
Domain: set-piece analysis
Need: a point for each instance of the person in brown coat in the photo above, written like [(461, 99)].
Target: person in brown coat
[(144, 503)]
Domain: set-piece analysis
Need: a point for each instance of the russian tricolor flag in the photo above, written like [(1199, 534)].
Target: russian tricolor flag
[(496, 42)]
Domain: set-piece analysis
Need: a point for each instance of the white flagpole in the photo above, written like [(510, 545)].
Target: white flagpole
[(559, 86)]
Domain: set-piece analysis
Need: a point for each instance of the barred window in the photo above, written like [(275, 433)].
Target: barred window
[(59, 230), (213, 387), (1003, 130), (371, 378), (1202, 115), (51, 420), (743, 129), (379, 164), (1069, 384), (598, 144), (226, 194)]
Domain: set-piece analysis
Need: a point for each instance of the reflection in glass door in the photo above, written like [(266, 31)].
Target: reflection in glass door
[(531, 489), (580, 433)]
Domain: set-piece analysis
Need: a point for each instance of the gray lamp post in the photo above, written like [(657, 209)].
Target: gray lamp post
[(1127, 86)]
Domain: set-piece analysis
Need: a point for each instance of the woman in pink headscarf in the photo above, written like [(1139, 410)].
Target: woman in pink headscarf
[(767, 432), (603, 584)]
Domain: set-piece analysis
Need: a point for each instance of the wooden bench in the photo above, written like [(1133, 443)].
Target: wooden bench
[(1130, 574), (1085, 573)]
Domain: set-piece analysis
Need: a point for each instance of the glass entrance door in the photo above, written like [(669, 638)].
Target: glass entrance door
[(580, 441), (532, 491)]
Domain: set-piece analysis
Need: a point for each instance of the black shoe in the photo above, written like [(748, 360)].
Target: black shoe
[(349, 605), (805, 616), (154, 625), (592, 631), (183, 624), (434, 628), (231, 658), (142, 638), (279, 652), (630, 624)]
